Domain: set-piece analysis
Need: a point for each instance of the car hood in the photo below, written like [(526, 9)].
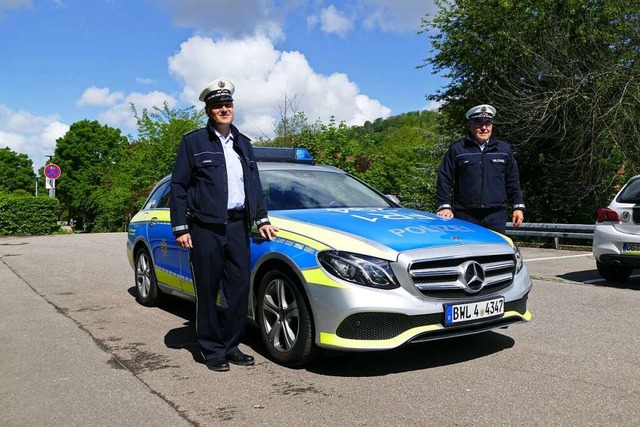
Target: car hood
[(398, 229)]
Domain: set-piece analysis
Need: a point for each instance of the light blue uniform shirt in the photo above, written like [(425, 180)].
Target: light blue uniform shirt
[(235, 177)]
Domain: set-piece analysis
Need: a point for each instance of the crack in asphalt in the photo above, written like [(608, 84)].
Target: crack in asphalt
[(114, 360)]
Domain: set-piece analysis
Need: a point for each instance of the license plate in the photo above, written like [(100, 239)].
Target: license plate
[(457, 313), (631, 247)]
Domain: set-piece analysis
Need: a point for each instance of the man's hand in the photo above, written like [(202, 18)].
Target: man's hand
[(268, 232), (184, 241), (517, 218), (445, 213)]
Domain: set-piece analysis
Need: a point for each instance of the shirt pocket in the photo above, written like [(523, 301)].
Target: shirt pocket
[(207, 159), (466, 161), (497, 163)]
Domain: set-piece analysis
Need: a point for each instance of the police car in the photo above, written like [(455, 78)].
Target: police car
[(350, 269)]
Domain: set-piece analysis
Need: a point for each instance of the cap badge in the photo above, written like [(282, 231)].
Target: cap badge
[(220, 84), (483, 109)]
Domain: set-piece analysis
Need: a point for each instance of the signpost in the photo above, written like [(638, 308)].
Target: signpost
[(52, 172)]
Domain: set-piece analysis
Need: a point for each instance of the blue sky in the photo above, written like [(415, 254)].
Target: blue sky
[(62, 61)]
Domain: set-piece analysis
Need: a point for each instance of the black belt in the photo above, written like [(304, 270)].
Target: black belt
[(235, 215)]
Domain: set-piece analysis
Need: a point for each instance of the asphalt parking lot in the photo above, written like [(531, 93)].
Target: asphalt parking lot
[(76, 349)]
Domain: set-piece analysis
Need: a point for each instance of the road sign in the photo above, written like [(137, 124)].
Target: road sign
[(50, 183), (52, 171)]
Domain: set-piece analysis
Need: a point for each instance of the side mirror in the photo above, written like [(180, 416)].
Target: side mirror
[(393, 198)]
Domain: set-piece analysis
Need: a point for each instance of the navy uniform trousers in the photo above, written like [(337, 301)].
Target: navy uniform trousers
[(220, 260), (493, 219)]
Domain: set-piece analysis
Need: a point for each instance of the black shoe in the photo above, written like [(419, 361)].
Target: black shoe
[(218, 364), (239, 358)]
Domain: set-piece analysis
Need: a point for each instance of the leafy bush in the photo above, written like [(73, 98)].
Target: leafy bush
[(28, 215)]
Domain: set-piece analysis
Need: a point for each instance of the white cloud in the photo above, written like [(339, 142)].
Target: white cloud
[(14, 4), (241, 18), (233, 18), (99, 96), (263, 76), (120, 115), (145, 81), (333, 22), (396, 16), (28, 134), (433, 106)]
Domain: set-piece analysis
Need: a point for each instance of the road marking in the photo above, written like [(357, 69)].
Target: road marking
[(559, 257), (589, 282)]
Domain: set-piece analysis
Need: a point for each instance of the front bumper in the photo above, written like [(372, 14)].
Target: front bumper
[(359, 318)]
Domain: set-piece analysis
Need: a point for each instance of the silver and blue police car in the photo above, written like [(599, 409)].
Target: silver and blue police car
[(350, 269)]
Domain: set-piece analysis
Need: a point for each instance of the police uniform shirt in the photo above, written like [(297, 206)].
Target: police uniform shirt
[(235, 177)]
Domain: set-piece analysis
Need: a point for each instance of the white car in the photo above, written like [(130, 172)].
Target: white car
[(616, 237)]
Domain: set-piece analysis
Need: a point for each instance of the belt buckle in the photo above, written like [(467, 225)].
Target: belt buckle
[(235, 215)]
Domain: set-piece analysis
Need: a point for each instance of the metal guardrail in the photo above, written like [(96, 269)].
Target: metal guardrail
[(555, 231)]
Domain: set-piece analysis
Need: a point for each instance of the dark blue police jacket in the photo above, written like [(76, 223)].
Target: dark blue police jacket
[(199, 187), (479, 179)]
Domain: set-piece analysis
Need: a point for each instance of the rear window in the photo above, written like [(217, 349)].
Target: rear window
[(630, 193)]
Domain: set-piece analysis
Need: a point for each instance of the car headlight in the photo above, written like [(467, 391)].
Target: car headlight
[(519, 261), (360, 269)]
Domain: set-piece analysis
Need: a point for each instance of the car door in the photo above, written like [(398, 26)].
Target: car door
[(164, 250)]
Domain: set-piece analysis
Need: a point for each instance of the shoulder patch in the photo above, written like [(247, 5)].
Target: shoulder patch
[(191, 131)]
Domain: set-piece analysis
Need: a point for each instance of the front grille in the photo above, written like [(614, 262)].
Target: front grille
[(636, 215), (439, 278), (382, 326)]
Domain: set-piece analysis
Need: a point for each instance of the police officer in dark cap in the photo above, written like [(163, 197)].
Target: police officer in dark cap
[(483, 174), (216, 196)]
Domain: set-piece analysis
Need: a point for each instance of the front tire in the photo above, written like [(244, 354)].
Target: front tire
[(146, 283), (285, 320), (612, 273)]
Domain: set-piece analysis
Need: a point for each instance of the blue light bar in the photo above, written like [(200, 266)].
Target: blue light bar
[(303, 155), (278, 154)]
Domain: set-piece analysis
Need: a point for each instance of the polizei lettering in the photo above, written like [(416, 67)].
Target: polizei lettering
[(375, 214), (422, 229)]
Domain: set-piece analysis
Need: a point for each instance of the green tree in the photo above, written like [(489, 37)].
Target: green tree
[(563, 75), (145, 160), (398, 155), (85, 154), (16, 172)]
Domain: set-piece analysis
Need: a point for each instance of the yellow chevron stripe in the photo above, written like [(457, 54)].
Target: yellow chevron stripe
[(168, 279), (162, 215), (338, 240), (316, 276), (333, 340)]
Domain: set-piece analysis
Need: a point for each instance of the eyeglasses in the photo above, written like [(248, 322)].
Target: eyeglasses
[(479, 124), (227, 105)]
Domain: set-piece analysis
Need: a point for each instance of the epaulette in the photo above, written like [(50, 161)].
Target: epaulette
[(191, 131)]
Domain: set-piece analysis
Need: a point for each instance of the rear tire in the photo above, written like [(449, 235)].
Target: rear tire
[(146, 283), (285, 321), (613, 273)]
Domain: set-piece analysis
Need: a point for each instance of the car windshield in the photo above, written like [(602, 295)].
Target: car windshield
[(301, 189), (630, 193)]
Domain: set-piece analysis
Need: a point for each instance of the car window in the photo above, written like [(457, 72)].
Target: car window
[(299, 189), (158, 197), (630, 193)]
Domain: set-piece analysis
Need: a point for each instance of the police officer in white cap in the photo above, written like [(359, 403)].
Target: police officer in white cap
[(481, 172), (216, 196)]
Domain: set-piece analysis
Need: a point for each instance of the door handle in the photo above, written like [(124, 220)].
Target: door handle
[(153, 221)]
